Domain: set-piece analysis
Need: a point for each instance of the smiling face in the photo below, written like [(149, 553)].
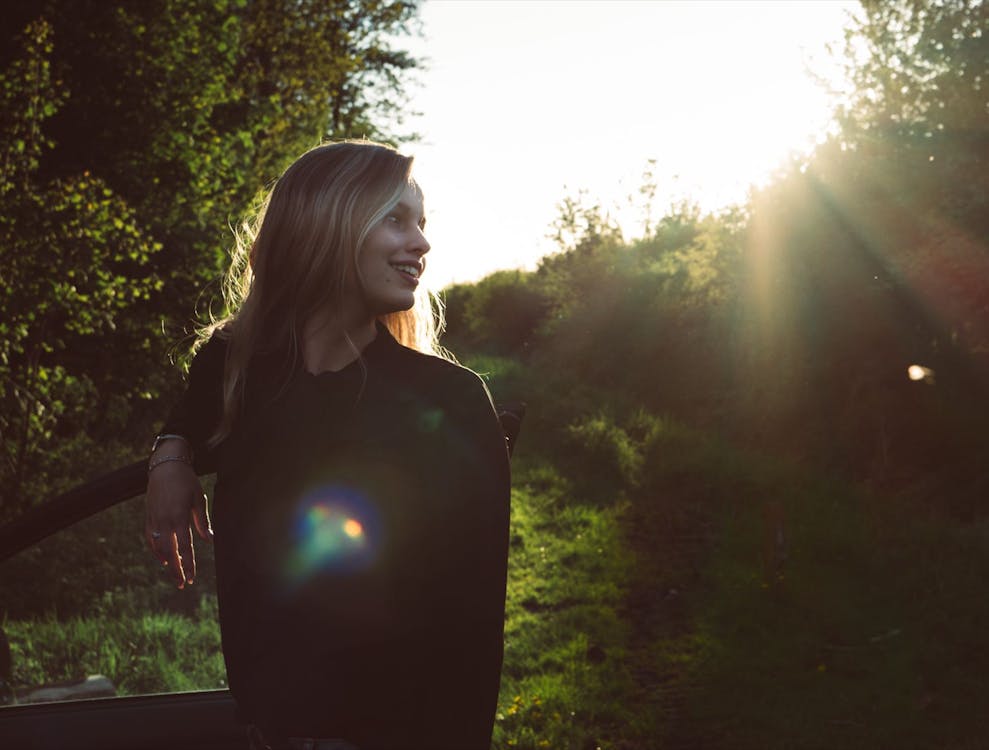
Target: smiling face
[(392, 258)]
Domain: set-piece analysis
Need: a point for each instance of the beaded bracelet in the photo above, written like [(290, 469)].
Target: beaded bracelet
[(156, 462), (159, 439)]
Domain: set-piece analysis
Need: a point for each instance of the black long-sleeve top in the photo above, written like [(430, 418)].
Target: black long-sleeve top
[(361, 541)]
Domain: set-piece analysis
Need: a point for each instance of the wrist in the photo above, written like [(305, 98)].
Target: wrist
[(163, 457), (169, 449), (175, 443)]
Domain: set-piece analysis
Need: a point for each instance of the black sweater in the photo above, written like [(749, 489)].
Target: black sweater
[(361, 539)]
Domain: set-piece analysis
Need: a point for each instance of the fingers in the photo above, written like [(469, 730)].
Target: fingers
[(153, 537), (186, 561), (170, 541), (174, 550), (200, 519)]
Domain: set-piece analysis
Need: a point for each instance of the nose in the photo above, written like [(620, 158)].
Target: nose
[(420, 245)]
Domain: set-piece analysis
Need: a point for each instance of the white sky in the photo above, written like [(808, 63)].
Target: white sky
[(525, 102)]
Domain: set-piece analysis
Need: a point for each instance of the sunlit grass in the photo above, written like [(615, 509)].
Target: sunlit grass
[(566, 679)]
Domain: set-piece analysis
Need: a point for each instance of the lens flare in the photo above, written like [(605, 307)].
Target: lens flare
[(919, 372), (336, 532)]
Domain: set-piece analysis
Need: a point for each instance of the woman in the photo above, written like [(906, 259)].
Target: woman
[(361, 504)]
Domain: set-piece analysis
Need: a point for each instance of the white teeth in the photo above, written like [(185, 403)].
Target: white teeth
[(411, 270)]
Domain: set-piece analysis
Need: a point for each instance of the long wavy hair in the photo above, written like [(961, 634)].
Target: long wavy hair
[(299, 253)]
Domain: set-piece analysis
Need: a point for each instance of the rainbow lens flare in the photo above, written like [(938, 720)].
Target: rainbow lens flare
[(336, 532)]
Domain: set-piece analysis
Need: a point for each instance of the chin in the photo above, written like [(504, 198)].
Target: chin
[(396, 305), (408, 305)]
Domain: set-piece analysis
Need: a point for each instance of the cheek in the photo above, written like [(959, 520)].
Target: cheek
[(368, 267)]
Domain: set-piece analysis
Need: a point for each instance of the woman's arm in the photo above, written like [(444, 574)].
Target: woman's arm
[(175, 499), (175, 504)]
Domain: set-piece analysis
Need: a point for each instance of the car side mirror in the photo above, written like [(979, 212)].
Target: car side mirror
[(510, 414)]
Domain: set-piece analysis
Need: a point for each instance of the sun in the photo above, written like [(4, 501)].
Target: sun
[(525, 102)]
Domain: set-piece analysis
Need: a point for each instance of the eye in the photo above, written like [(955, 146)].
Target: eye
[(393, 218)]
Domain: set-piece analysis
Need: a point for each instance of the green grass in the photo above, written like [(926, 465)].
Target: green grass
[(874, 636), (566, 679), (139, 653)]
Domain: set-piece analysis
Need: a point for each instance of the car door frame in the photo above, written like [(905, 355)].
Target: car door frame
[(198, 720)]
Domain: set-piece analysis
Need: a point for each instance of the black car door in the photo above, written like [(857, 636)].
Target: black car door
[(192, 719)]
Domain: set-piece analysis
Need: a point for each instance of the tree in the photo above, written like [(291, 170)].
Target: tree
[(133, 134), (187, 107), (74, 264), (919, 110), (500, 314), (918, 67)]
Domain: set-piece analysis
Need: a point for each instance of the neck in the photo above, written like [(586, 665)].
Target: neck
[(328, 344)]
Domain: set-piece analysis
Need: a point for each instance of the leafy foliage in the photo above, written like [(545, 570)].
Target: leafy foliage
[(918, 110), (76, 266), (917, 67), (131, 135), (498, 315)]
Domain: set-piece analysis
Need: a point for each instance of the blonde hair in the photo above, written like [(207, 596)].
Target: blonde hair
[(300, 252)]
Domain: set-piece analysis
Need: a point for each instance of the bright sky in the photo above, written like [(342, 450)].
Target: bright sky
[(527, 101)]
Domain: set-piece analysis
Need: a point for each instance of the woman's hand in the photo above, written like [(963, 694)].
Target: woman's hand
[(175, 504)]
